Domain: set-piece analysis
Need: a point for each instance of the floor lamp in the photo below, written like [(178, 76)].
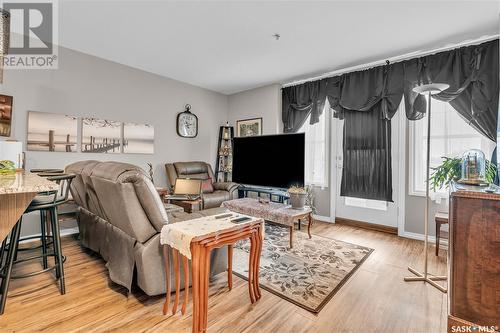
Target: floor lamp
[(428, 89)]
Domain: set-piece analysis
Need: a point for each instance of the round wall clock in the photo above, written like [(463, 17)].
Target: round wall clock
[(187, 123)]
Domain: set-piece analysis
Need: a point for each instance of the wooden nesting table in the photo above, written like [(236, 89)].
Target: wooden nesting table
[(195, 239)]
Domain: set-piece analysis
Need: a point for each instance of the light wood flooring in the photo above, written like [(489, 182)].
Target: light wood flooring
[(375, 299)]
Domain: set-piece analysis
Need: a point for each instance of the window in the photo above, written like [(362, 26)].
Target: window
[(316, 145), (366, 203), (451, 136)]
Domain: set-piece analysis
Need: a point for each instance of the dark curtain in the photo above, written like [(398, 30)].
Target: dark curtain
[(367, 102), (368, 99), (471, 72), (298, 102), (367, 171)]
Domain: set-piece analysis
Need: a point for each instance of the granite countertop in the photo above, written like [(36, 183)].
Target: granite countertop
[(21, 182)]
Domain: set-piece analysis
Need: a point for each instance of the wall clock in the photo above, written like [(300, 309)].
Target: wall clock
[(187, 123)]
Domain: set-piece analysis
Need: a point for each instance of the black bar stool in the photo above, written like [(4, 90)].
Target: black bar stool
[(46, 202)]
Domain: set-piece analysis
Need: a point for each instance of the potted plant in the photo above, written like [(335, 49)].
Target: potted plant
[(451, 170), (7, 167), (298, 196)]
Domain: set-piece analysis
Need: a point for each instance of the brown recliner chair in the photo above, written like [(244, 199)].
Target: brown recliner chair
[(213, 196)]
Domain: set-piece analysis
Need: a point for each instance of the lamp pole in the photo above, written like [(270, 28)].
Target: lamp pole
[(427, 89)]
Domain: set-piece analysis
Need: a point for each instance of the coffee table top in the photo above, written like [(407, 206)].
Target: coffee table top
[(272, 211)]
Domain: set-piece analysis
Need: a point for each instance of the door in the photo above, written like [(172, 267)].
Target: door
[(369, 211)]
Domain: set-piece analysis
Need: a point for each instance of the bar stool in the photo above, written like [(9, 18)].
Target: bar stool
[(44, 202), (440, 219)]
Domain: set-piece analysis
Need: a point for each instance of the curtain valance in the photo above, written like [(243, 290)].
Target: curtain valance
[(298, 102), (471, 72)]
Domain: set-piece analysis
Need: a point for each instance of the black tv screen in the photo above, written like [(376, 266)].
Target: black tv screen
[(269, 160)]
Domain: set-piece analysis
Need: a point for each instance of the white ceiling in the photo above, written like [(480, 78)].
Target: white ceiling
[(229, 47)]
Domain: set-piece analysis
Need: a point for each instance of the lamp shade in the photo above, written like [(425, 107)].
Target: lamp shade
[(12, 151), (432, 88)]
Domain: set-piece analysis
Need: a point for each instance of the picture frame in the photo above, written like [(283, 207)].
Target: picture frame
[(249, 127), (6, 115), (52, 132)]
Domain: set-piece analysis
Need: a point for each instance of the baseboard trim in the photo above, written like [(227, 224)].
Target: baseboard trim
[(366, 225), (322, 218), (443, 243), (64, 233)]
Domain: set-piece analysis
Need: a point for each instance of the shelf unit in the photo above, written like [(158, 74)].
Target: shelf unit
[(224, 162)]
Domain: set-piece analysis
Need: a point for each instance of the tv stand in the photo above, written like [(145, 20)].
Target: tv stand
[(275, 195)]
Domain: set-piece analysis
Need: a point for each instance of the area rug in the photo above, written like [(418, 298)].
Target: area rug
[(307, 275)]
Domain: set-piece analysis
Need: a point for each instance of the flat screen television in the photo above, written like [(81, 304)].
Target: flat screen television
[(269, 160)]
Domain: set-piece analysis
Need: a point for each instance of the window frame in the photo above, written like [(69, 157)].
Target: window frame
[(326, 181), (412, 191)]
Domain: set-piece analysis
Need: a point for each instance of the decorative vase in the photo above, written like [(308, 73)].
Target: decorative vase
[(298, 200)]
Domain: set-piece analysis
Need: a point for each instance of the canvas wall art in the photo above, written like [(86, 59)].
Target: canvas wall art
[(101, 136), (138, 138), (5, 115), (51, 132), (249, 127)]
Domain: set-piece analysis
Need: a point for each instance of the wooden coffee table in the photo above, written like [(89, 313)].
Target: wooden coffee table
[(275, 212)]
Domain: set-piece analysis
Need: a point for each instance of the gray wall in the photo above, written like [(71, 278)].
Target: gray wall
[(265, 102), (88, 86), (258, 103)]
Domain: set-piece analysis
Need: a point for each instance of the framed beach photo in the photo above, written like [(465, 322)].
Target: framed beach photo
[(249, 127), (51, 132)]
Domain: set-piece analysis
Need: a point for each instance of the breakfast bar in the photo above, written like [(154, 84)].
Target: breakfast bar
[(16, 192)]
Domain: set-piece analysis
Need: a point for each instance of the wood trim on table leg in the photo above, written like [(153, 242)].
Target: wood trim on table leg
[(291, 236), (309, 217), (230, 266), (251, 266), (195, 270), (186, 283), (259, 251), (206, 280), (175, 255), (167, 277)]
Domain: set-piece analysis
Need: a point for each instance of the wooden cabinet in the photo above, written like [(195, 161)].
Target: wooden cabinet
[(474, 258)]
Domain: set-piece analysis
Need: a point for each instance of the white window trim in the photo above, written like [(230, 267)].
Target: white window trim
[(411, 164), (327, 125), (436, 196)]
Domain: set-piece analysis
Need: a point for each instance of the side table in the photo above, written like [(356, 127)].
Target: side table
[(195, 239), (189, 206)]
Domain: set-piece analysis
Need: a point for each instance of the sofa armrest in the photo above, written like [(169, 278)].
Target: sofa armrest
[(225, 186)]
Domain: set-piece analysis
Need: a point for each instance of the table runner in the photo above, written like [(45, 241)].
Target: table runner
[(179, 235)]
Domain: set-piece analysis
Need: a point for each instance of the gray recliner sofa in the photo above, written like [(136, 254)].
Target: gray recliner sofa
[(120, 216)]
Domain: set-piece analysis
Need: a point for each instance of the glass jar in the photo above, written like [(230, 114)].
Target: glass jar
[(473, 167)]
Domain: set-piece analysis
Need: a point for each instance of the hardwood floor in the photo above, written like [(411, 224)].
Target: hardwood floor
[(375, 299)]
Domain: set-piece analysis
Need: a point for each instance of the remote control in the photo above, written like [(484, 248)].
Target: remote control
[(240, 219), (222, 216)]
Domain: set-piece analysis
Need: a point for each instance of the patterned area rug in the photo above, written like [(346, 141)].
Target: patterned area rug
[(307, 275)]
